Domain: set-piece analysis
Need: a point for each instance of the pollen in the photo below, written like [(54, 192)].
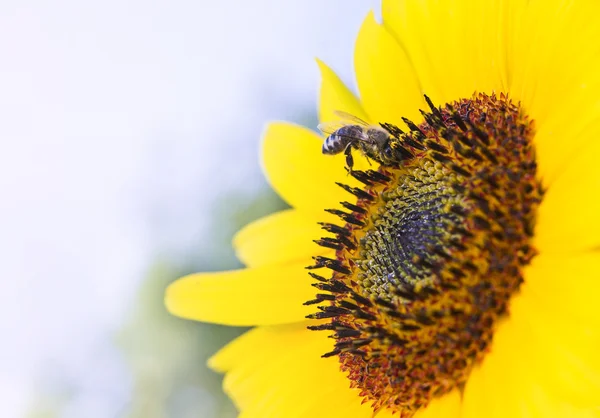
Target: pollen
[(430, 252)]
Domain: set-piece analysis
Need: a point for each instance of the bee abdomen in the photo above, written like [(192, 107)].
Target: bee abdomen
[(333, 144)]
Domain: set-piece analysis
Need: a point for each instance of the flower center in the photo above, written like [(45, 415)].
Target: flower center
[(431, 251)]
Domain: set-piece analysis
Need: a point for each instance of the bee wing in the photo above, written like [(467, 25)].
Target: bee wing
[(349, 118), (330, 127), (345, 119)]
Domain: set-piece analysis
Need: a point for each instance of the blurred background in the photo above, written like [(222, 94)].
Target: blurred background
[(129, 137)]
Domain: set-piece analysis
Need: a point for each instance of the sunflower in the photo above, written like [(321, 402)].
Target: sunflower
[(454, 266)]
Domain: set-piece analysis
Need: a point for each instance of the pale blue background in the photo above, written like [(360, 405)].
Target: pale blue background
[(121, 123)]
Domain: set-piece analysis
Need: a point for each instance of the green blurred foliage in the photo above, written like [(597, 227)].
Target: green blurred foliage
[(167, 355), (46, 406)]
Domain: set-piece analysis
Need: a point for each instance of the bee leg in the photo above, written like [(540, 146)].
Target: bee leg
[(349, 158)]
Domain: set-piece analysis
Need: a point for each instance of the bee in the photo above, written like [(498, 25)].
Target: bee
[(350, 133)]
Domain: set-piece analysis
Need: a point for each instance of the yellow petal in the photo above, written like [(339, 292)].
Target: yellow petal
[(488, 394), (561, 139), (555, 68), (527, 48), (281, 237), (279, 372), (551, 53), (455, 46), (506, 384), (568, 218), (542, 357), (300, 173), (474, 403), (567, 286), (546, 406), (494, 387), (254, 296), (446, 406), (409, 31), (251, 347), (561, 351), (388, 85), (334, 95)]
